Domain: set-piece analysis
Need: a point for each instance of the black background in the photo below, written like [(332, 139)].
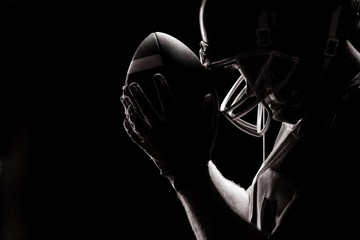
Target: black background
[(68, 168)]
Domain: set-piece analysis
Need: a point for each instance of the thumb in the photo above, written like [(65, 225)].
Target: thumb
[(210, 119), (209, 106)]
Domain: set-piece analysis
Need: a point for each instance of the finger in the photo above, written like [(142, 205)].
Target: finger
[(143, 105), (133, 111), (126, 102), (166, 97), (132, 132), (209, 108)]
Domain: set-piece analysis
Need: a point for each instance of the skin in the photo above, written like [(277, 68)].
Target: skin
[(217, 208)]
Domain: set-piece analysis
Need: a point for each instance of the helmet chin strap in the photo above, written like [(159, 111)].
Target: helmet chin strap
[(261, 121), (332, 41), (263, 34)]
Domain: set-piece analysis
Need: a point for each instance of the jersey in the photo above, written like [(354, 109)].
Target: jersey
[(309, 184)]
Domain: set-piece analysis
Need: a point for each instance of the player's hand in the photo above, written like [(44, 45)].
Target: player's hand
[(176, 137)]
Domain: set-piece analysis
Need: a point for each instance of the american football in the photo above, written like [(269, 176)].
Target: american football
[(162, 53)]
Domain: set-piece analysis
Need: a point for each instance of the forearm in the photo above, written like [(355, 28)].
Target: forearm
[(210, 216), (234, 195)]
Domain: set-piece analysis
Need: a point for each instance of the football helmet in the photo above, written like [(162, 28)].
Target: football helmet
[(279, 50)]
